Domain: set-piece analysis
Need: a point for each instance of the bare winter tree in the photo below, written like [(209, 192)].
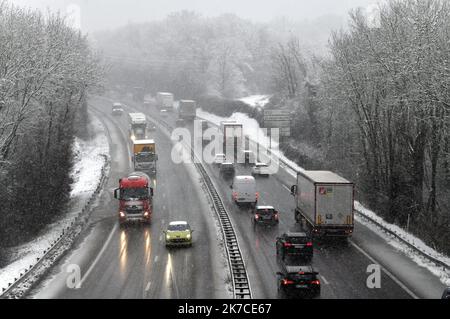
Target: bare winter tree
[(46, 71), (395, 79)]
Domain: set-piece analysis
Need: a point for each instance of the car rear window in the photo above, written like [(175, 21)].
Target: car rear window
[(304, 277), (266, 211), (298, 240)]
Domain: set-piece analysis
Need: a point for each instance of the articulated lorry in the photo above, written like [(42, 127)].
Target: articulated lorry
[(138, 126), (144, 156), (164, 101), (135, 197), (325, 201), (187, 110)]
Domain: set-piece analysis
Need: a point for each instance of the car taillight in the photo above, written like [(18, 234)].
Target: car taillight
[(287, 282), (257, 195), (309, 244), (315, 282), (287, 245), (235, 195), (276, 216)]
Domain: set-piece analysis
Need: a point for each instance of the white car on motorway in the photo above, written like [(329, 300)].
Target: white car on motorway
[(219, 159), (261, 169)]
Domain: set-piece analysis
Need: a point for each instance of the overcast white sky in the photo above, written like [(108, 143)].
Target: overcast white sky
[(104, 14)]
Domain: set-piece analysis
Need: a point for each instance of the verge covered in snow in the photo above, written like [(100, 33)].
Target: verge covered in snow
[(252, 129), (256, 100), (86, 173)]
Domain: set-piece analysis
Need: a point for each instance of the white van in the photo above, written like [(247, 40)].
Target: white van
[(244, 190)]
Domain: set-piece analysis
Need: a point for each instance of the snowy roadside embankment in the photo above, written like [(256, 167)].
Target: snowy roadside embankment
[(86, 173), (253, 130), (257, 101)]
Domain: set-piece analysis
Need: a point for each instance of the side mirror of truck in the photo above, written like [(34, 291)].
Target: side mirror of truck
[(294, 190), (151, 191), (117, 193)]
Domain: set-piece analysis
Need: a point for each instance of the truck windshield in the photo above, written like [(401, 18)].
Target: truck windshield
[(133, 193), (145, 157)]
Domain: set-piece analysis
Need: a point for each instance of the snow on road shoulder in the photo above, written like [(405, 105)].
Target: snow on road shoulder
[(443, 275), (89, 161), (86, 173), (252, 129)]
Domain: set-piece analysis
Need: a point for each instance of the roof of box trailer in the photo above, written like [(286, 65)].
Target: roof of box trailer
[(144, 142), (324, 177)]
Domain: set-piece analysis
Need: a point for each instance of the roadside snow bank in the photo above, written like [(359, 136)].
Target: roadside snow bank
[(256, 100), (437, 270), (86, 173), (252, 129)]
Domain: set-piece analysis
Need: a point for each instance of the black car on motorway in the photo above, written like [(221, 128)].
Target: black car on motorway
[(294, 245), (446, 294), (298, 281), (266, 215), (227, 170)]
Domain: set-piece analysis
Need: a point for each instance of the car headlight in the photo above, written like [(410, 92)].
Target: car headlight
[(188, 236), (167, 236)]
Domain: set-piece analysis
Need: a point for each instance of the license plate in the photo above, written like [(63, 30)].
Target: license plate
[(299, 246), (301, 286)]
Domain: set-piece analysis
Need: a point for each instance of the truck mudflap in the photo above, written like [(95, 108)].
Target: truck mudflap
[(332, 231), (325, 230)]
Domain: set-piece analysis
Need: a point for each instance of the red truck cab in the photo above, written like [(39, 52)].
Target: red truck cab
[(135, 198)]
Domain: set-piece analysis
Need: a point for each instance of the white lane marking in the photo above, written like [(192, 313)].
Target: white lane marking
[(287, 188), (324, 280), (156, 259), (160, 237), (147, 288), (395, 279), (105, 245)]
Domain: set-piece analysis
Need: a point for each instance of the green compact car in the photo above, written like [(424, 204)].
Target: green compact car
[(178, 234)]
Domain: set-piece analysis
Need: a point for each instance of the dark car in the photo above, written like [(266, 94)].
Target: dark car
[(294, 245), (446, 294), (298, 281), (227, 169), (266, 215)]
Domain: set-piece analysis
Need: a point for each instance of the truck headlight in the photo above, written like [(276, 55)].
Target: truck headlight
[(122, 214)]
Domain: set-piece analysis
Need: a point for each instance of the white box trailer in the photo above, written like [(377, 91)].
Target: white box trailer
[(187, 110), (165, 101), (325, 201)]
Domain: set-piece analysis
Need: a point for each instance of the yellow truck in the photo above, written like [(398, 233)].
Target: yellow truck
[(144, 156)]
